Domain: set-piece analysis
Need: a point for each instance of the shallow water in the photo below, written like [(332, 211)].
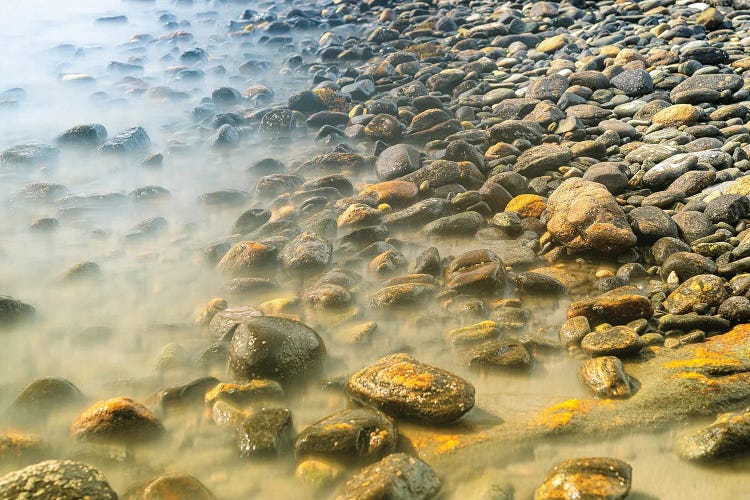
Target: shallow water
[(148, 290)]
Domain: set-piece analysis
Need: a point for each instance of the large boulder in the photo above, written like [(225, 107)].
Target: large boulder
[(583, 215)]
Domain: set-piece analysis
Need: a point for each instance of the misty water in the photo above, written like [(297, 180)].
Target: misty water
[(106, 333)]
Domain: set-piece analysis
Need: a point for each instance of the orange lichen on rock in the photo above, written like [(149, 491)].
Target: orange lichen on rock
[(435, 442), (561, 415)]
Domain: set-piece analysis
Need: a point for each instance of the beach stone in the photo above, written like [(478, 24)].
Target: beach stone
[(617, 307), (550, 87), (608, 478), (396, 477), (475, 272), (27, 155), (735, 309), (307, 251), (705, 88), (729, 208), (539, 159), (686, 265), (276, 348), (634, 82), (397, 161), (247, 257), (665, 172), (573, 330), (701, 289), (14, 311), (267, 432), (728, 435), (608, 175), (651, 223), (353, 435), (677, 115), (59, 479), (45, 395), (403, 387), (90, 135), (171, 485), (504, 354), (693, 225), (606, 377), (130, 141), (615, 341), (117, 420), (532, 283), (402, 295), (582, 215)]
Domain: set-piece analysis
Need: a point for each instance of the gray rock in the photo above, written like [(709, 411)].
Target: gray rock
[(130, 141), (397, 161)]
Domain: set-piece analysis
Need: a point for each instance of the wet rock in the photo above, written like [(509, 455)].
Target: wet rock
[(686, 265), (634, 82), (583, 215), (276, 348), (27, 155), (397, 477), (38, 192), (384, 127), (701, 289), (475, 272), (130, 141), (573, 330), (397, 161), (693, 321), (277, 123), (705, 88), (463, 224), (117, 420), (267, 432), (90, 135), (735, 309), (606, 377), (527, 205), (172, 485), (728, 435), (608, 478), (403, 387), (532, 283), (13, 312), (44, 396), (729, 208), (63, 479), (192, 393), (401, 295), (478, 332), (619, 306), (500, 355), (693, 225), (247, 257), (250, 220), (148, 228), (225, 321), (539, 159), (651, 223), (307, 251), (359, 435), (615, 341)]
